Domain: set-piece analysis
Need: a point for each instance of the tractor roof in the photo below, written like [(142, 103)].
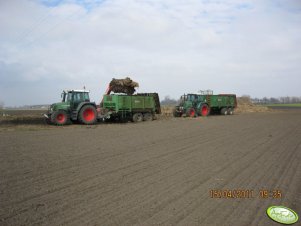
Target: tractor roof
[(192, 94), (77, 90)]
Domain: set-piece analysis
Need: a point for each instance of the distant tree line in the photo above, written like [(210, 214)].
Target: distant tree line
[(271, 100), (169, 101), (279, 100)]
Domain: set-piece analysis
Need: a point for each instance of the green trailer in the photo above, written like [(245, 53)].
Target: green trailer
[(204, 104), (139, 107)]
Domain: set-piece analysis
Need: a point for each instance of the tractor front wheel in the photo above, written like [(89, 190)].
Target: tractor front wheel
[(204, 110), (191, 113), (60, 118), (88, 115)]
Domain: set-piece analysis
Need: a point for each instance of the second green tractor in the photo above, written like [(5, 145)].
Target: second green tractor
[(203, 104)]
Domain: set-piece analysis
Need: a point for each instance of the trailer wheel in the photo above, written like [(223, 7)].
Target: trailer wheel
[(191, 112), (147, 117), (224, 111), (137, 117), (60, 118), (230, 111), (88, 115), (204, 110)]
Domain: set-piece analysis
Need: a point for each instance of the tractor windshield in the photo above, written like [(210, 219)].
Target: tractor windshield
[(69, 97), (66, 97), (80, 97), (192, 97)]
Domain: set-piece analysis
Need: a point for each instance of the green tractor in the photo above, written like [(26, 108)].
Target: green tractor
[(75, 106), (193, 105)]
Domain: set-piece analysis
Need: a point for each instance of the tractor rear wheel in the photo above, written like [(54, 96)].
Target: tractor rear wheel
[(137, 117), (204, 110), (147, 117), (60, 118), (87, 115), (191, 113), (224, 111)]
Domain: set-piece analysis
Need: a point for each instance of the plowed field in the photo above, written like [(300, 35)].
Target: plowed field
[(153, 173)]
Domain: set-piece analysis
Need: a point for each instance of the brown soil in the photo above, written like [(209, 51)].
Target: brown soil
[(151, 173)]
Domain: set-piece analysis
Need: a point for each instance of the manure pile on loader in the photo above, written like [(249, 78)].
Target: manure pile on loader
[(126, 86)]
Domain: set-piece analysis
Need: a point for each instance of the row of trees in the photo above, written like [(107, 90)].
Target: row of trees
[(279, 100), (169, 101)]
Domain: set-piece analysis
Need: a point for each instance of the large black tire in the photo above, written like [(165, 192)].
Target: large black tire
[(191, 112), (87, 115), (60, 118), (224, 111), (147, 117), (230, 111), (204, 110), (137, 117)]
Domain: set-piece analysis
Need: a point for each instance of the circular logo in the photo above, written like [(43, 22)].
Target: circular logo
[(282, 214)]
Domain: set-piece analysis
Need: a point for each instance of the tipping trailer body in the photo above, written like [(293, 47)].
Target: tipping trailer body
[(127, 106)]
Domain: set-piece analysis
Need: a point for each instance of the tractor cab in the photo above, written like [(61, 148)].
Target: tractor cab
[(75, 95), (189, 100), (189, 97)]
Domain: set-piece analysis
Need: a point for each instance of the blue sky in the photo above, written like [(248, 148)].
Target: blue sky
[(171, 47)]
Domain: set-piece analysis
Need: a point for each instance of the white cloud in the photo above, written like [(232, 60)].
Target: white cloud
[(246, 47)]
